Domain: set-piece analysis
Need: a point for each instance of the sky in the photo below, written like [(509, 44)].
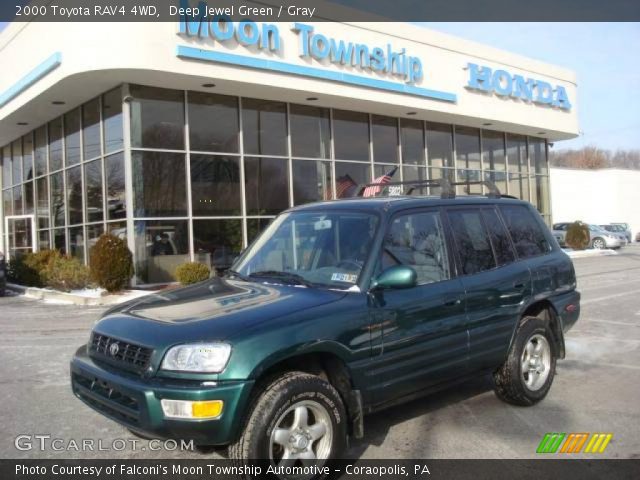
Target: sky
[(604, 57)]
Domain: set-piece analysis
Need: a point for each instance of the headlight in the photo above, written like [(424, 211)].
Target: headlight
[(197, 357)]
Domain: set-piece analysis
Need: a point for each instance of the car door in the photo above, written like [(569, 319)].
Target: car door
[(495, 284), (419, 336)]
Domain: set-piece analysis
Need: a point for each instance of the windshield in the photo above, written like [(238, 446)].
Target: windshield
[(311, 248)]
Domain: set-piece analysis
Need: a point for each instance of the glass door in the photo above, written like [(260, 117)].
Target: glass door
[(21, 235)]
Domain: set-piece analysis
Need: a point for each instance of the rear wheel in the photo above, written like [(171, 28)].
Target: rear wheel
[(598, 243), (526, 376), (298, 420)]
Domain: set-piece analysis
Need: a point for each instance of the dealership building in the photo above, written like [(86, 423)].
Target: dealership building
[(186, 138)]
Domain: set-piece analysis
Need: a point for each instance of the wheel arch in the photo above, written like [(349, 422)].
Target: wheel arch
[(326, 361), (545, 310)]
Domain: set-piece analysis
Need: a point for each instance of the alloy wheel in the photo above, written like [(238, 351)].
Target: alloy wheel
[(536, 362), (303, 435)]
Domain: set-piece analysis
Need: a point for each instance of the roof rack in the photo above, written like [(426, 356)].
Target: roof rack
[(447, 187)]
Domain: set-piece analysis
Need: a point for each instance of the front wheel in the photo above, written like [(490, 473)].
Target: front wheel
[(298, 420), (598, 243), (526, 376)]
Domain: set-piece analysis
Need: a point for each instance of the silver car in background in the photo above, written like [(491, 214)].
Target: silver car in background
[(621, 229), (600, 238)]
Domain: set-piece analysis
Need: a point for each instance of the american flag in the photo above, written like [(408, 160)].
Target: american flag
[(345, 187), (381, 180)]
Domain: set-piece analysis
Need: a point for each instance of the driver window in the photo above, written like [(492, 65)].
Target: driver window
[(417, 240)]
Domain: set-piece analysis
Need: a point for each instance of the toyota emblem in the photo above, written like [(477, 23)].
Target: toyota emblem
[(113, 349)]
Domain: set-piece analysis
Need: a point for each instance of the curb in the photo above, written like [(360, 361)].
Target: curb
[(65, 298)]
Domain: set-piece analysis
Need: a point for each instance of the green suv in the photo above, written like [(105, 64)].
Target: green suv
[(337, 310)]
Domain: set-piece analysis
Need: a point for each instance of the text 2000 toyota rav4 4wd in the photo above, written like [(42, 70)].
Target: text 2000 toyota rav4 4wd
[(337, 310)]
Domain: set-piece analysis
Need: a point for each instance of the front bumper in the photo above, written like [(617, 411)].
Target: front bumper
[(135, 402)]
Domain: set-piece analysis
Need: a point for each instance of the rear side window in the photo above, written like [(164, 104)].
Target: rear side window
[(526, 233), (499, 237), (472, 241)]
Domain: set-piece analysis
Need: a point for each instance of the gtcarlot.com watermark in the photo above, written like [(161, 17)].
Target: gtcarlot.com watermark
[(47, 442)]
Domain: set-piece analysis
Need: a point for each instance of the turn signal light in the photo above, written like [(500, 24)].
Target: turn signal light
[(187, 409), (209, 409)]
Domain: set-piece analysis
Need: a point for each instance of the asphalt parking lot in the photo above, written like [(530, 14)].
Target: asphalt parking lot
[(596, 389)]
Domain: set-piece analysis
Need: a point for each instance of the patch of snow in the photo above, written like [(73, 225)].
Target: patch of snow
[(57, 301), (89, 292), (591, 252)]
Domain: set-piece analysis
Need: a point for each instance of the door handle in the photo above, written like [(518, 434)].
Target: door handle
[(519, 286)]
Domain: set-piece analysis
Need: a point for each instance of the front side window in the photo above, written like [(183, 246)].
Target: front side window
[(526, 232), (417, 240), (472, 241), (312, 248)]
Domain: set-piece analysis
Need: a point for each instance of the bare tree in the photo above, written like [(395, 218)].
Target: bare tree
[(592, 157)]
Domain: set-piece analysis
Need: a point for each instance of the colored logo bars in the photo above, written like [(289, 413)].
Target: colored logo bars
[(573, 443)]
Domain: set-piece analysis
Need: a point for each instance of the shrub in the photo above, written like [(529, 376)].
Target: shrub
[(18, 272), (111, 263), (66, 273), (30, 269), (577, 236), (191, 272)]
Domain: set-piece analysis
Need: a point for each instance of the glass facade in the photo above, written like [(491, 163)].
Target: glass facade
[(207, 172)]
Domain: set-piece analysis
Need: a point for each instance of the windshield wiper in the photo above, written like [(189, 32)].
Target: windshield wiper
[(284, 276)]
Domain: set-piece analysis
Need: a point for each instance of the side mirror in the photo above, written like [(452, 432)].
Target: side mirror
[(400, 276)]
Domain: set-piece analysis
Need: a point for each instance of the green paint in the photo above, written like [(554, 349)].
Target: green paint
[(550, 442)]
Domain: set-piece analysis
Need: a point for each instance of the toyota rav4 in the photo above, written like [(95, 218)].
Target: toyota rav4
[(337, 310)]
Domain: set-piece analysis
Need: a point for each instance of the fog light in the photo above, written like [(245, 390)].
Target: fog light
[(187, 409)]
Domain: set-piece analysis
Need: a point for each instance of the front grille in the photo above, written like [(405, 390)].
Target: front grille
[(127, 355), (107, 398)]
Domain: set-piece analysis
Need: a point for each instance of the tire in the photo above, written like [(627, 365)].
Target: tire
[(513, 384), (598, 243), (277, 408)]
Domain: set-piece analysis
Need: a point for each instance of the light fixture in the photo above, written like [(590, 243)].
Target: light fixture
[(411, 113), (58, 102), (22, 123), (312, 99), (486, 124), (541, 133), (208, 85)]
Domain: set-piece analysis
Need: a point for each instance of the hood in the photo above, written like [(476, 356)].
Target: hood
[(208, 311)]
